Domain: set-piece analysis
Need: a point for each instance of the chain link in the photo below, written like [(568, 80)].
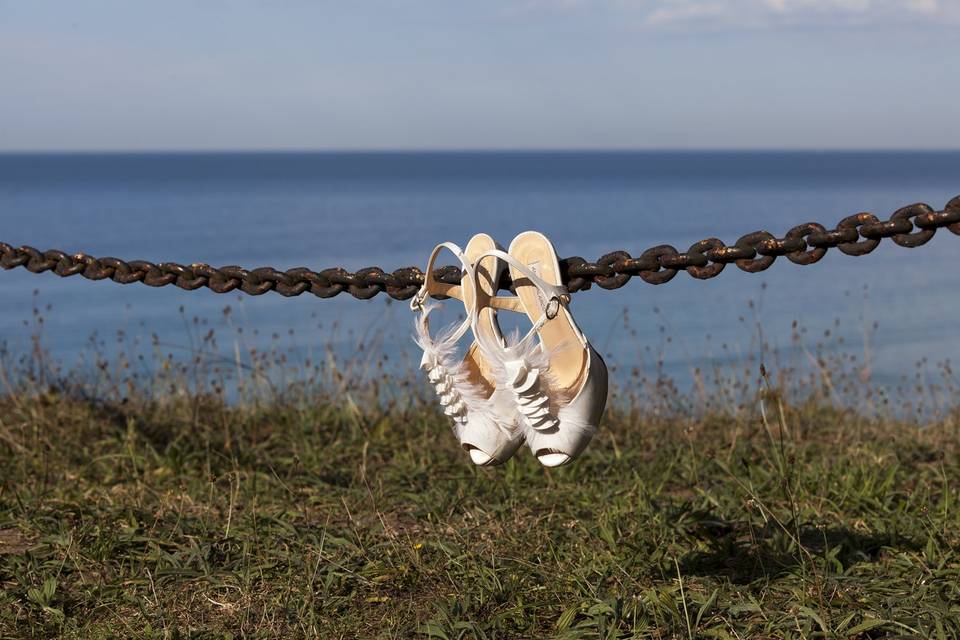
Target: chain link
[(855, 235)]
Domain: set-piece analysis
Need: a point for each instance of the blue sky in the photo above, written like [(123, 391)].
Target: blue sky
[(441, 74)]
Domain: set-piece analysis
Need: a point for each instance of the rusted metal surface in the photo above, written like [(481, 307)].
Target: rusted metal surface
[(855, 235)]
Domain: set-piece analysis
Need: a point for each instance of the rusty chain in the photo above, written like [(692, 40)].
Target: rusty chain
[(855, 235)]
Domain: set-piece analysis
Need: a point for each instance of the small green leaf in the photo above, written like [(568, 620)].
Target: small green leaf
[(813, 615), (35, 596), (567, 617), (866, 625), (706, 607), (49, 588), (746, 607), (432, 630)]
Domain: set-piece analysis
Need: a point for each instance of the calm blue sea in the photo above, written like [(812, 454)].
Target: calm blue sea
[(389, 209)]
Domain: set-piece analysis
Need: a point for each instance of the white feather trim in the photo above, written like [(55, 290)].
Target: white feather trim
[(522, 368), (446, 369)]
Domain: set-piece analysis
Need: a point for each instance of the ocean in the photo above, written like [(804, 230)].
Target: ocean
[(895, 309)]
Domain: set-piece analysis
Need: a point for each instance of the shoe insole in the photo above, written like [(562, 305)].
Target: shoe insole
[(487, 325), (568, 357)]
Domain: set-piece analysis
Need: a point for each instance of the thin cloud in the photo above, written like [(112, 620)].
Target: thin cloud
[(772, 13), (674, 14)]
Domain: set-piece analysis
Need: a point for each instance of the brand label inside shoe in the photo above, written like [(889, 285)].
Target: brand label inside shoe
[(541, 297)]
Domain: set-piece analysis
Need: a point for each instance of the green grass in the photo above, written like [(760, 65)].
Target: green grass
[(329, 499), (178, 515)]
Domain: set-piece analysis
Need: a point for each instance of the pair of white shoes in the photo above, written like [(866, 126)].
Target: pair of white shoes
[(547, 389)]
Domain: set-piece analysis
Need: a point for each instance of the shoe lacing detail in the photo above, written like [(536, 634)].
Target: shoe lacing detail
[(443, 383), (525, 383)]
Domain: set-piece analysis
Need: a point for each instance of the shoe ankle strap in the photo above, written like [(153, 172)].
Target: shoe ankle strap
[(550, 291), (555, 295), (430, 286)]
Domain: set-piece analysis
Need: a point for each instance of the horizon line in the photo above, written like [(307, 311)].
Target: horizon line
[(473, 150)]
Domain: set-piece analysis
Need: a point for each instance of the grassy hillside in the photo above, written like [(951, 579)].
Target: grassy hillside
[(269, 494), (318, 514)]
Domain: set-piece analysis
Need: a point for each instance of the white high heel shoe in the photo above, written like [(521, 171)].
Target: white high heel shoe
[(558, 383), (482, 415)]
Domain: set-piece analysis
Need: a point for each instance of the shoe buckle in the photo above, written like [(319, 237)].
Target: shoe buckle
[(416, 303), (553, 308)]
